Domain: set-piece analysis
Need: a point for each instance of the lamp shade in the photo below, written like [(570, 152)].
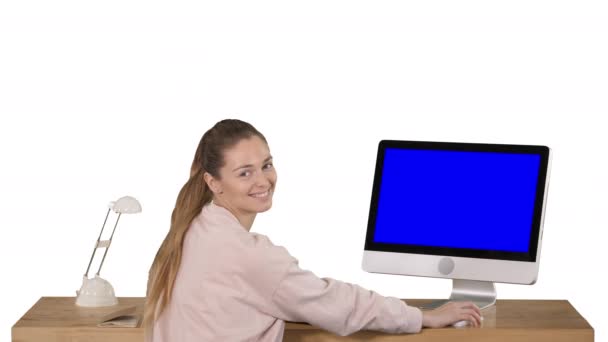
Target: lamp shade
[(125, 205)]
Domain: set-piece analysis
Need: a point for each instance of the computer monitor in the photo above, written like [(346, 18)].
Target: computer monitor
[(469, 212)]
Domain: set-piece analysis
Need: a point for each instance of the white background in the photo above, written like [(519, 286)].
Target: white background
[(104, 99)]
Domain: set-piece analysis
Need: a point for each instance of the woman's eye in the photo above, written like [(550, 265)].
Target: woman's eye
[(248, 173)]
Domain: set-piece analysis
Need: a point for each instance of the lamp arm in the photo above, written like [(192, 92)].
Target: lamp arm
[(86, 274), (109, 243)]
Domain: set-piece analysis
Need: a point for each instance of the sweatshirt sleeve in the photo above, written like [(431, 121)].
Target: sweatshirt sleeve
[(339, 307)]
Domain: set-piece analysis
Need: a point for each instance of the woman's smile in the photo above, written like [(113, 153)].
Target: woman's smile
[(261, 195)]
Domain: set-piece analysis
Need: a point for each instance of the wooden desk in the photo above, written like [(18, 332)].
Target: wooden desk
[(54, 319)]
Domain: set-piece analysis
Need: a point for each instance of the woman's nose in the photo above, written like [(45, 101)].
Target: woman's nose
[(262, 180)]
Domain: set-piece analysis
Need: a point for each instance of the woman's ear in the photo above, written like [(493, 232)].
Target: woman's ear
[(212, 183)]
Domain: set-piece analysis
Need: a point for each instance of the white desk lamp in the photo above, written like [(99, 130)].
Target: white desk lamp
[(98, 291)]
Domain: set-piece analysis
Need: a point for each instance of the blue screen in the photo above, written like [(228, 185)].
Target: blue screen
[(457, 199)]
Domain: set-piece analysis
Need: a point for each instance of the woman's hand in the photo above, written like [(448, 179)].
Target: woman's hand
[(451, 313)]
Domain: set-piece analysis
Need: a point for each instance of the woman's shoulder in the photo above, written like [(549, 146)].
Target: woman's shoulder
[(266, 248), (221, 227), (213, 216), (266, 264), (265, 257), (261, 239)]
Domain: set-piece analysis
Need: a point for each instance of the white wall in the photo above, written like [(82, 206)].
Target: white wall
[(100, 100)]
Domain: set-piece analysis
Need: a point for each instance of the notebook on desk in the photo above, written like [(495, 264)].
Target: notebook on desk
[(123, 318)]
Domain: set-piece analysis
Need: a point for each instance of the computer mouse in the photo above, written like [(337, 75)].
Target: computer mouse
[(461, 324)]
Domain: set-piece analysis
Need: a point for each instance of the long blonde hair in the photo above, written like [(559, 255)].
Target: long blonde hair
[(191, 199)]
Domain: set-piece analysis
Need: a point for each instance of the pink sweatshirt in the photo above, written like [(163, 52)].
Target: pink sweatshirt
[(235, 285)]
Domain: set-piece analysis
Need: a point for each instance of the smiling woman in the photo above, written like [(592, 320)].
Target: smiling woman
[(246, 182), (214, 280)]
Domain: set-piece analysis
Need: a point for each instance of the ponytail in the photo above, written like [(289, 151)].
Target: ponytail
[(161, 279)]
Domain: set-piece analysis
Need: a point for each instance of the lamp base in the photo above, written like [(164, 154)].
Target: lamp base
[(95, 292)]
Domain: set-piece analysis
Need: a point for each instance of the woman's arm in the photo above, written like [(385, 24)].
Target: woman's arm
[(339, 307)]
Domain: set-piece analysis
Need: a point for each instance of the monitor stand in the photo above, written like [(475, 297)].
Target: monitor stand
[(482, 293)]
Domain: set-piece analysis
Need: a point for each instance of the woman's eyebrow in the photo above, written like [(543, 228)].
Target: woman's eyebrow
[(251, 165)]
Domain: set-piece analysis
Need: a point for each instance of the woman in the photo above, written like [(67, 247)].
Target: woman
[(214, 280)]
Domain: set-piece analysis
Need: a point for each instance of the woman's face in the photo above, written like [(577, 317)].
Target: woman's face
[(248, 178)]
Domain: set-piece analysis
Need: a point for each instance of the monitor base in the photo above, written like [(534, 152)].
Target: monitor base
[(482, 293)]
